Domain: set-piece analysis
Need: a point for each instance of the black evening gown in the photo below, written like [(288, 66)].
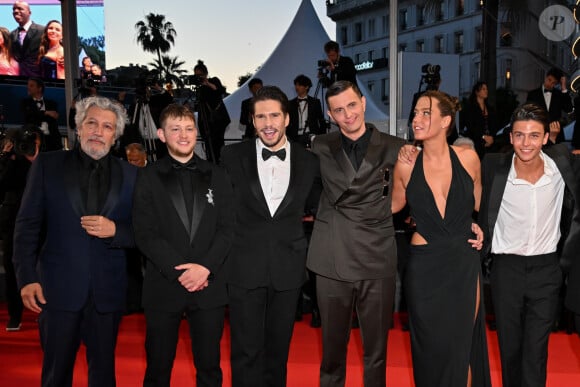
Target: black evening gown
[(441, 284)]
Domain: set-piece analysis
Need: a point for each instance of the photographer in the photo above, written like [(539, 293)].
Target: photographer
[(213, 117), (19, 148), (341, 68)]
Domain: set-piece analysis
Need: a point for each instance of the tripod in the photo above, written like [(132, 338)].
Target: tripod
[(202, 120), (322, 84)]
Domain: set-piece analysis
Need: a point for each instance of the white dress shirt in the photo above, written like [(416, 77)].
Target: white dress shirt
[(528, 221), (274, 175)]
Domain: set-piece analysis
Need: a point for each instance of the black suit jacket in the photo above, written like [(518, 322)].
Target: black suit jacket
[(495, 169), (33, 115), (71, 264), (167, 239), (246, 119), (269, 250), (354, 237), (27, 54), (558, 103), (344, 70), (315, 121)]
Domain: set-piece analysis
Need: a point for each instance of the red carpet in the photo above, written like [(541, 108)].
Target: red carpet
[(21, 357)]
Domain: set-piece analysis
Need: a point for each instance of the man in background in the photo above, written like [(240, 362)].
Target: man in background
[(341, 67), (553, 96), (42, 113), (26, 40), (306, 118), (254, 85)]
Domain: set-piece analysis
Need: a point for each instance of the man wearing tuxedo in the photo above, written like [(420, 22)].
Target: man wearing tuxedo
[(554, 101), (184, 223), (353, 250), (531, 220), (306, 118), (274, 182), (42, 113), (26, 40), (71, 230), (254, 85)]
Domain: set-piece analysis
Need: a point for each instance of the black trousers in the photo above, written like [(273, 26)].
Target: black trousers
[(373, 301), (205, 329), (60, 336), (261, 321), (525, 296)]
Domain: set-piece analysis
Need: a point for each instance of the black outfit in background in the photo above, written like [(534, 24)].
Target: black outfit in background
[(213, 118), (474, 124), (33, 113), (344, 70), (246, 119), (314, 124), (27, 54), (13, 172), (441, 286), (183, 214), (559, 102)]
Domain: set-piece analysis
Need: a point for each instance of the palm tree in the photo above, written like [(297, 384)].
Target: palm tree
[(155, 34), (169, 69)]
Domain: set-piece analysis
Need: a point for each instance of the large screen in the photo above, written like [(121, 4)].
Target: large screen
[(31, 42)]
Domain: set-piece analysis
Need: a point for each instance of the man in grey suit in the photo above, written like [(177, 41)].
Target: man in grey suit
[(353, 250), (26, 40)]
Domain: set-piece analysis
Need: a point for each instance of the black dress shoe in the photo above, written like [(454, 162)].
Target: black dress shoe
[(315, 322)]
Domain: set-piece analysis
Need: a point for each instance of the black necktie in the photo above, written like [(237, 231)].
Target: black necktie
[(281, 154), (93, 189), (547, 91)]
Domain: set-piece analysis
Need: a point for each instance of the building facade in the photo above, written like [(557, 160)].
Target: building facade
[(450, 27)]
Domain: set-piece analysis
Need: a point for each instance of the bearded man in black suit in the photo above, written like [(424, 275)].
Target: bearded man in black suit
[(26, 40), (274, 181), (184, 224)]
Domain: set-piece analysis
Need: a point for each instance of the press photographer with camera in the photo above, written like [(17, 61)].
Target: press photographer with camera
[(336, 67), (213, 117), (19, 148)]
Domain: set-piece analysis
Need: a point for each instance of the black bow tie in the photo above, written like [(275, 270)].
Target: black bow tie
[(547, 91), (281, 154), (302, 99), (20, 28), (190, 165)]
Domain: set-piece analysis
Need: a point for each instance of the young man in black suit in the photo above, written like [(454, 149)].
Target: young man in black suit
[(274, 182), (306, 118), (554, 101), (25, 40), (531, 220), (184, 224), (71, 231), (254, 85)]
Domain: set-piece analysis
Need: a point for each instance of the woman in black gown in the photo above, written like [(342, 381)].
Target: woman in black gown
[(443, 278)]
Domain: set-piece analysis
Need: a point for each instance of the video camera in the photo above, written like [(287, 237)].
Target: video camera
[(23, 139), (193, 80), (431, 75)]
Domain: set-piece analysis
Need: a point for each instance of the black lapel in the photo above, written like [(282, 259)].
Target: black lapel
[(115, 186), (335, 146), (173, 187), (202, 196), (250, 166), (71, 180), (500, 175)]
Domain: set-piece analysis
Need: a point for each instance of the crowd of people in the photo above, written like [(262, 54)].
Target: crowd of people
[(228, 231)]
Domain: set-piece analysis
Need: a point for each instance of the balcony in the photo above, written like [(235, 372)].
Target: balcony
[(339, 9)]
